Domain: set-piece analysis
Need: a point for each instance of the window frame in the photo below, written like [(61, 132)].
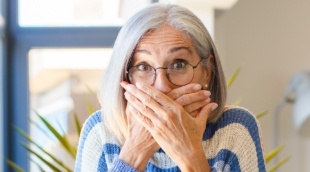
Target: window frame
[(20, 41)]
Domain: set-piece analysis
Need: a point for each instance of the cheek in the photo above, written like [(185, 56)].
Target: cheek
[(200, 77)]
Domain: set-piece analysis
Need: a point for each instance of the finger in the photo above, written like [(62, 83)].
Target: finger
[(178, 92), (157, 99), (206, 111), (188, 99), (146, 95), (197, 105), (139, 117), (141, 108)]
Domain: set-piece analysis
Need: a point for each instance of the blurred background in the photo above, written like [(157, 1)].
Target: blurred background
[(55, 52)]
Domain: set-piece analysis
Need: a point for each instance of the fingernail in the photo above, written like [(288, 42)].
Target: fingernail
[(214, 107), (208, 100), (123, 84), (207, 93), (197, 87)]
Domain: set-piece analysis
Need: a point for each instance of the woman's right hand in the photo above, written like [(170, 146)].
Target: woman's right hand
[(139, 146)]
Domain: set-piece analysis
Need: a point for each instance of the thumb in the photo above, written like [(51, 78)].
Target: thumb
[(206, 111)]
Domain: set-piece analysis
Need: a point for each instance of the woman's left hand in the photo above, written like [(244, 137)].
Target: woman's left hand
[(176, 131), (192, 97)]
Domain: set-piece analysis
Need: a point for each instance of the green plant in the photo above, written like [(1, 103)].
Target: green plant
[(55, 164)]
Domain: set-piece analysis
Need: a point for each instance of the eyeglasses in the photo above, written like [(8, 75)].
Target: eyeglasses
[(178, 73)]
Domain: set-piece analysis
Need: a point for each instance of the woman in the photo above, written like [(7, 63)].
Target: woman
[(163, 103)]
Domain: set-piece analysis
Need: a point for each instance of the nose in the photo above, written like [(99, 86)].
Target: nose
[(161, 82)]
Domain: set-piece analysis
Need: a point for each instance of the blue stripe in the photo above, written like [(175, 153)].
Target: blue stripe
[(109, 149), (152, 168), (229, 158)]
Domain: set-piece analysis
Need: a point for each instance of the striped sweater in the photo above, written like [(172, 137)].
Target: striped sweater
[(231, 144)]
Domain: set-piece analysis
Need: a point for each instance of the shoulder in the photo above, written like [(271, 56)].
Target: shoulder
[(92, 121), (235, 136), (96, 143), (94, 126), (235, 114), (238, 118)]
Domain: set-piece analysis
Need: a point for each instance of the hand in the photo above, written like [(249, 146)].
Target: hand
[(140, 141), (177, 132), (192, 97)]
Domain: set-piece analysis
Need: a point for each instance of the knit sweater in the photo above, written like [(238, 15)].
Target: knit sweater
[(231, 144)]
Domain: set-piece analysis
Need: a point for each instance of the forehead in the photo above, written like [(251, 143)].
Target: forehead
[(167, 36)]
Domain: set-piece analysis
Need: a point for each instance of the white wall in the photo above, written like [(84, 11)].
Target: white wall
[(271, 40)]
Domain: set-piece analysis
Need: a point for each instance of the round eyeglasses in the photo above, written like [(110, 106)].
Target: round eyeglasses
[(178, 73)]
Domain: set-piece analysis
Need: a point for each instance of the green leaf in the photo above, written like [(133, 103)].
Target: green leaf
[(37, 164), (43, 150), (233, 77), (49, 164), (273, 153), (90, 90), (41, 129), (77, 124), (261, 114), (279, 164), (14, 166), (62, 139), (90, 108)]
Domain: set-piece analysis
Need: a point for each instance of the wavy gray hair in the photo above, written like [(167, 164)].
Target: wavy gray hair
[(113, 103)]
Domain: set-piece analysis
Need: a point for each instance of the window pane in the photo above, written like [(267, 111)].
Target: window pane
[(63, 82), (58, 13)]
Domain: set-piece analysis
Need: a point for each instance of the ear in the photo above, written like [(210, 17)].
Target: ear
[(209, 68)]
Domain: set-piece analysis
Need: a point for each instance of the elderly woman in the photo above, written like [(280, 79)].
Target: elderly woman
[(163, 103)]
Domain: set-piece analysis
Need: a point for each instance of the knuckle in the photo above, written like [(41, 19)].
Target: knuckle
[(148, 99), (174, 95), (144, 109), (185, 99), (157, 96)]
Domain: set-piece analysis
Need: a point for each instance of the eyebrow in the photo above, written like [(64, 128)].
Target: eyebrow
[(143, 51), (175, 49), (172, 50)]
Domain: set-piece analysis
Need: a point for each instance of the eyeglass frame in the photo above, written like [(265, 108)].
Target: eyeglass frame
[(166, 68)]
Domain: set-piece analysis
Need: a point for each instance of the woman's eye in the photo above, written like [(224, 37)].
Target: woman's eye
[(179, 65), (143, 67)]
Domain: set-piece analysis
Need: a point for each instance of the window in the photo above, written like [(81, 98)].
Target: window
[(58, 46)]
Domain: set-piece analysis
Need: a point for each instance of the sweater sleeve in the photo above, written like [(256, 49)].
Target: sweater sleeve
[(121, 166), (97, 149), (237, 140)]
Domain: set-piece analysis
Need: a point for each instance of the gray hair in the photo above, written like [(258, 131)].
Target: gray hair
[(113, 103)]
